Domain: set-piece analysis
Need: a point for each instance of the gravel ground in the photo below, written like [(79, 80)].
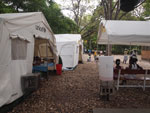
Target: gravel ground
[(77, 92)]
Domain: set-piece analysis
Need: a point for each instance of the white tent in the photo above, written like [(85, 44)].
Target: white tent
[(70, 48), (124, 32), (20, 35)]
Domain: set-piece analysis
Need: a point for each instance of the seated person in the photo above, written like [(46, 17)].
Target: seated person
[(133, 64), (118, 64), (117, 67)]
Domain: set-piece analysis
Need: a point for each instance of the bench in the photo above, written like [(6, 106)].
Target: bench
[(126, 74)]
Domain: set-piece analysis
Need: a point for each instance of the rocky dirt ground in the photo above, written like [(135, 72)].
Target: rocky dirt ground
[(77, 91)]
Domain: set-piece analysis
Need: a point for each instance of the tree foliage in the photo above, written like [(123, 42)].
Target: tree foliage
[(26, 5), (58, 22), (146, 6), (5, 9), (79, 9)]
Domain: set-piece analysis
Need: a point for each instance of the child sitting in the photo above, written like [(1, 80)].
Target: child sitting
[(117, 67), (118, 64)]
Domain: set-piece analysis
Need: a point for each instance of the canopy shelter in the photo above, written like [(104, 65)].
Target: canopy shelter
[(21, 34), (124, 32), (70, 48)]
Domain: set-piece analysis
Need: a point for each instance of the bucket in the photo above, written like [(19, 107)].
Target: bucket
[(58, 69)]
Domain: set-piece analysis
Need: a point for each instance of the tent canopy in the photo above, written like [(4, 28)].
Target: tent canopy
[(124, 32), (68, 48), (67, 37), (19, 24), (20, 33), (18, 21)]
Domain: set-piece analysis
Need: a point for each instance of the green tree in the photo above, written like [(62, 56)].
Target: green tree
[(58, 22), (5, 9), (78, 8), (146, 13), (26, 5)]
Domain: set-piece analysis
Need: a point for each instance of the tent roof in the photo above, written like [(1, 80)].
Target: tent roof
[(19, 20), (124, 32), (15, 22), (67, 37), (11, 16)]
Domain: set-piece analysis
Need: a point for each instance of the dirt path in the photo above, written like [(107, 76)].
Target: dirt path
[(77, 92)]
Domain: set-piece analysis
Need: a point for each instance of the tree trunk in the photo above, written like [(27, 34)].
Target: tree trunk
[(109, 47)]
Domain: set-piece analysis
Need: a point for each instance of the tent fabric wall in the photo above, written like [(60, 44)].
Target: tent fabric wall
[(68, 49), (19, 24), (5, 60), (124, 32), (69, 52), (27, 27)]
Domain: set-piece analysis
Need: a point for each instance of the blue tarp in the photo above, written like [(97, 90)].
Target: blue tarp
[(42, 67)]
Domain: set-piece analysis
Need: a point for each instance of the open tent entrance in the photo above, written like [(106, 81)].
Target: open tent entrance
[(68, 46), (43, 56)]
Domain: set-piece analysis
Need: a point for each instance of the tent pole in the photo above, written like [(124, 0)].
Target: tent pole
[(108, 48)]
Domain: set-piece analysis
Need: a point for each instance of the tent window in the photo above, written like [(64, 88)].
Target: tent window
[(18, 49)]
